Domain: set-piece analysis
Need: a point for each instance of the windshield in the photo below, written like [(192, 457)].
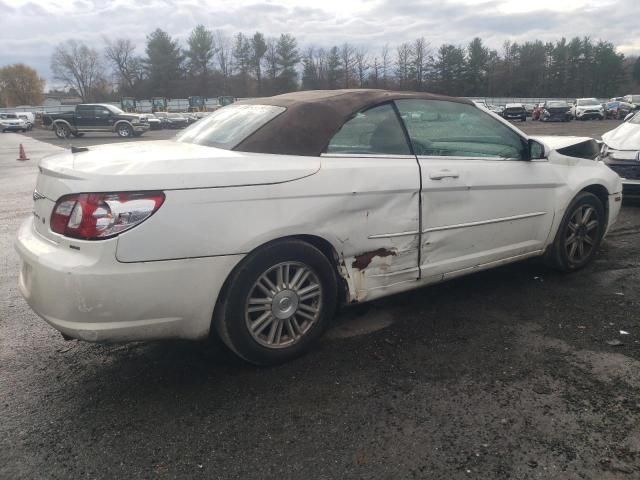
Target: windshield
[(585, 102), (230, 125), (114, 109), (8, 115), (557, 105)]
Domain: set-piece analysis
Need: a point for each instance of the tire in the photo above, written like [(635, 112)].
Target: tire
[(283, 330), (524, 119), (62, 130), (564, 255), (124, 130)]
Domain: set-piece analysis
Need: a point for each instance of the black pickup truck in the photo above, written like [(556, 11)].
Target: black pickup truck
[(96, 117)]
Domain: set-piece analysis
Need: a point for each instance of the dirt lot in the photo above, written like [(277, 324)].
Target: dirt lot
[(514, 373)]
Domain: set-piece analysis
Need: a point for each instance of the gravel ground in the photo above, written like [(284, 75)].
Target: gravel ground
[(507, 374)]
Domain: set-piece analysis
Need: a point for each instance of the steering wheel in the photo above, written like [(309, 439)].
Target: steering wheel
[(421, 147)]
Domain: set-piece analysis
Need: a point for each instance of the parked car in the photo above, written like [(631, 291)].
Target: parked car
[(28, 117), (11, 123), (177, 120), (555, 111), (528, 107), (495, 109), (617, 109), (154, 122), (621, 152), (96, 117), (587, 109), (633, 100), (257, 222), (515, 111)]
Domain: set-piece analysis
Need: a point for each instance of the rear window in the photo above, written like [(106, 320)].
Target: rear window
[(557, 105), (229, 126)]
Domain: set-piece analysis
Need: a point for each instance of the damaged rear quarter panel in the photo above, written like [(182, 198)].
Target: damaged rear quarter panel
[(366, 208)]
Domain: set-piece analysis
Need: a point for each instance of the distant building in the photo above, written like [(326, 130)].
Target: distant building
[(56, 100)]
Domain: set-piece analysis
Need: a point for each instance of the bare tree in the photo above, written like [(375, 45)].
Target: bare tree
[(223, 56), (384, 66), (127, 67), (347, 62), (79, 67), (362, 65), (403, 58), (419, 62)]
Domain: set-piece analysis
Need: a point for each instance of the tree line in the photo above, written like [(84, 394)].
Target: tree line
[(210, 63)]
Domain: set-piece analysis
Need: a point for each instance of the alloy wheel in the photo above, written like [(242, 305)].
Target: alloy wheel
[(283, 305), (582, 233)]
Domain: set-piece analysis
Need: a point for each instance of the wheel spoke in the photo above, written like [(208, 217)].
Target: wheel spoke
[(587, 215), (591, 225), (588, 239), (307, 308), (571, 239), (303, 278), (573, 227), (580, 249), (272, 332), (278, 336), (308, 289), (259, 308), (578, 216), (280, 277), (290, 329), (261, 323), (306, 315), (572, 250)]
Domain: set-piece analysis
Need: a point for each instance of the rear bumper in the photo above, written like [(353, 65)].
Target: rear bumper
[(88, 294)]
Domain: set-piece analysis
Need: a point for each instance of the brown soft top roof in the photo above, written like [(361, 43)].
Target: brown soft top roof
[(313, 117)]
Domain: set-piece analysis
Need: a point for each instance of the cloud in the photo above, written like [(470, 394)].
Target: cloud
[(31, 30)]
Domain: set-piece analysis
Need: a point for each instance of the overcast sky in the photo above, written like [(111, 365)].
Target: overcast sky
[(30, 29)]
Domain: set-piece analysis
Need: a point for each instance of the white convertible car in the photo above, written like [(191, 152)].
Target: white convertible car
[(255, 223)]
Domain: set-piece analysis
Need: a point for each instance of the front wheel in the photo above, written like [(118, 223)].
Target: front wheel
[(579, 234), (124, 130), (277, 303)]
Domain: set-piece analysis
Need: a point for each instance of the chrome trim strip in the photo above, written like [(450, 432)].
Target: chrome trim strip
[(483, 222), (393, 235), (365, 155)]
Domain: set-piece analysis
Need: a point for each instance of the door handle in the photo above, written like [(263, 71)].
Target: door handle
[(439, 175)]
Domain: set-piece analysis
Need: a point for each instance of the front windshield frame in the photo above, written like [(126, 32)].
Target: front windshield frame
[(230, 132)]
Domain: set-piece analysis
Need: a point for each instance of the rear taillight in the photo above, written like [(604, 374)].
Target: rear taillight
[(96, 216)]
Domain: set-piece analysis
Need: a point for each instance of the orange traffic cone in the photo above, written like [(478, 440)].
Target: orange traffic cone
[(23, 156)]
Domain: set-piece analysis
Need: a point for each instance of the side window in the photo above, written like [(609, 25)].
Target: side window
[(450, 129), (102, 112), (85, 110), (373, 131)]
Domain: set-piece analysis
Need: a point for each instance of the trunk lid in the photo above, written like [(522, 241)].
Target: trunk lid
[(164, 165)]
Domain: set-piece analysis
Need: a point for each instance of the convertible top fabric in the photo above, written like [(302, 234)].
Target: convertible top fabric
[(313, 117)]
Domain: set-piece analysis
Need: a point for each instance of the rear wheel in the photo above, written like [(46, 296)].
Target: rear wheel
[(278, 303), (62, 131), (579, 234)]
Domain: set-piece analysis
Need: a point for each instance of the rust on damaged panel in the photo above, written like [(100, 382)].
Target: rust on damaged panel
[(363, 260)]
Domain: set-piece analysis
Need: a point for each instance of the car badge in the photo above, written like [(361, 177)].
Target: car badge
[(37, 196)]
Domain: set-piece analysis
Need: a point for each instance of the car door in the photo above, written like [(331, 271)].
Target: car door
[(85, 117), (483, 201), (103, 118), (381, 243)]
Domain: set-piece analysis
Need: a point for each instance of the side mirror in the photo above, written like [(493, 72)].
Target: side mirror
[(536, 150)]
